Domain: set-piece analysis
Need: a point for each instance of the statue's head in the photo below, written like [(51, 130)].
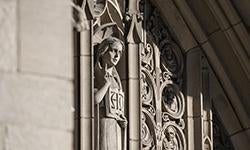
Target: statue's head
[(170, 132), (109, 51)]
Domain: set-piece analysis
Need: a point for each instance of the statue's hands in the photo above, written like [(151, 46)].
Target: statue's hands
[(107, 75), (122, 121), (103, 84)]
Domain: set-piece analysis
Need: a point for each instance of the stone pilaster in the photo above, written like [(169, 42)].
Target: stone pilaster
[(134, 41), (194, 99)]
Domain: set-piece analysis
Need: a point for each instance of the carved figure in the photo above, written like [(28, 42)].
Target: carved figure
[(170, 99), (170, 142), (109, 95)]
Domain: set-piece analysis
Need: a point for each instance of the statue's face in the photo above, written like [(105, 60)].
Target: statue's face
[(113, 54), (170, 133)]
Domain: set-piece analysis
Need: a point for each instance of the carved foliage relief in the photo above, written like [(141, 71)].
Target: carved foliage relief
[(161, 86)]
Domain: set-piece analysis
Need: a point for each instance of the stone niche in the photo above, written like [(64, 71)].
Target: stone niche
[(135, 100)]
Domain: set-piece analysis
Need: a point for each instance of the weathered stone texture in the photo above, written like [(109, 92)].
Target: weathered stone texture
[(204, 16), (242, 7), (40, 101), (2, 137), (240, 141), (8, 33), (46, 38), (36, 107), (32, 138)]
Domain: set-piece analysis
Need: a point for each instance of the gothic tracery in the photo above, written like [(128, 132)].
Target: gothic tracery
[(161, 83)]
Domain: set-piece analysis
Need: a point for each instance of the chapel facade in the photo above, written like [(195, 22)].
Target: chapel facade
[(125, 74)]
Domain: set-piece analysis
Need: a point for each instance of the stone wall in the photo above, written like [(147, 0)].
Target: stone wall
[(36, 75)]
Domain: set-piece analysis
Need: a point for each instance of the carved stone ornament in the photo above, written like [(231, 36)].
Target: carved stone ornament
[(80, 20), (161, 75), (105, 15), (173, 137), (161, 86), (97, 7), (173, 101)]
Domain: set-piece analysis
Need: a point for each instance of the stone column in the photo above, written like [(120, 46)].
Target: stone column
[(194, 99), (84, 58), (134, 96), (134, 77), (86, 90), (207, 106)]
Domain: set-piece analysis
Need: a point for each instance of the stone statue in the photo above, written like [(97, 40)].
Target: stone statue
[(109, 96), (170, 142)]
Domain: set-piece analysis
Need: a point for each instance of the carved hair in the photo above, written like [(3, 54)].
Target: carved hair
[(171, 129), (104, 46)]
